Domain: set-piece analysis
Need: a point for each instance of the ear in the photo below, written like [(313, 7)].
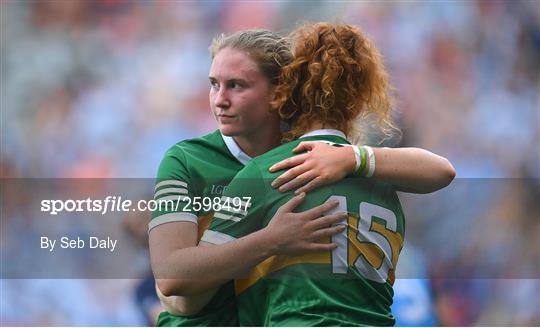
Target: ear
[(273, 97)]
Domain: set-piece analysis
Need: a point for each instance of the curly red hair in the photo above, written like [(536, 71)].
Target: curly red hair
[(337, 74)]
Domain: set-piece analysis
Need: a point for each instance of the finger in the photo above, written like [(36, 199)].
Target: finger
[(289, 162), (318, 210), (289, 175), (328, 220), (290, 205), (315, 183), (304, 146), (297, 182), (322, 247), (328, 232)]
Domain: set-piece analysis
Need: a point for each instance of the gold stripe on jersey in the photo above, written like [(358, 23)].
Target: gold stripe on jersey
[(278, 262), (373, 254), (356, 248)]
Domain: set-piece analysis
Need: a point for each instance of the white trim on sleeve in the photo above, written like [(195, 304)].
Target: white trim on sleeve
[(172, 217), (216, 238), (170, 183), (176, 191)]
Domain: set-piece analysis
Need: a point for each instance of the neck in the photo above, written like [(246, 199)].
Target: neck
[(320, 126), (258, 145), (317, 126)]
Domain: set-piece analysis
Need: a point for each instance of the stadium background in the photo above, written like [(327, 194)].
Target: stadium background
[(100, 89)]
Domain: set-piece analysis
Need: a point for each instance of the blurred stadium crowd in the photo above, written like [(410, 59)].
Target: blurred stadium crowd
[(100, 89)]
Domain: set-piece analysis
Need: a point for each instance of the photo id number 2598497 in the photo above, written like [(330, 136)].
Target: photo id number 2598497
[(232, 204)]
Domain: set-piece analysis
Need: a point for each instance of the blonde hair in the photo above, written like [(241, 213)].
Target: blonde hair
[(336, 76), (268, 49)]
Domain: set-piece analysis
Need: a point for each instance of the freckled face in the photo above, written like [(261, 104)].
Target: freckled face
[(240, 94)]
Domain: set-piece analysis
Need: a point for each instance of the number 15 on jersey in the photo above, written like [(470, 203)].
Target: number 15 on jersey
[(371, 242)]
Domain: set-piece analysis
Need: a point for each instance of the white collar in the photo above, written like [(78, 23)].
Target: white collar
[(324, 132), (235, 149)]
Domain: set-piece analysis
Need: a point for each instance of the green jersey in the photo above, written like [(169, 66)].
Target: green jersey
[(349, 286), (190, 181)]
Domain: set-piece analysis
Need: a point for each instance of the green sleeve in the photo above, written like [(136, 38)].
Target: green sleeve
[(173, 190)]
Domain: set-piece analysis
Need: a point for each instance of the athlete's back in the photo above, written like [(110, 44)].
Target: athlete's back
[(348, 286)]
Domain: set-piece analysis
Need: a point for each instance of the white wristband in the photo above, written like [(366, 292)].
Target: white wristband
[(371, 161), (357, 156)]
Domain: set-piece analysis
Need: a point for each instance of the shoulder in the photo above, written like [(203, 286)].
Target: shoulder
[(273, 156), (284, 150), (385, 194), (181, 154), (211, 140), (258, 167), (252, 170), (199, 147)]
